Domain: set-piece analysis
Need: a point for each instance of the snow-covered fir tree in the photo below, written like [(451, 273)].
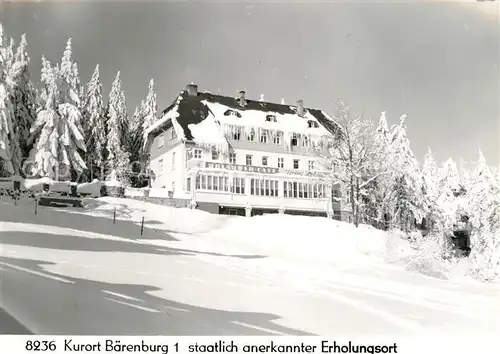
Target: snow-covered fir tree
[(149, 108), (383, 186), (484, 207), (24, 96), (9, 159), (135, 144), (94, 115), (431, 189), (69, 79), (57, 132), (407, 196), (117, 158)]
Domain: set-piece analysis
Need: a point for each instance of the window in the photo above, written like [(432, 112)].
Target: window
[(188, 184), (251, 135), (173, 160), (230, 112), (198, 153), (160, 166), (238, 186), (281, 162), (248, 160), (173, 134), (161, 141), (236, 133), (212, 183), (215, 154), (260, 187), (310, 165), (263, 136), (336, 193), (312, 124), (271, 118), (277, 138), (173, 186), (295, 139), (295, 164), (232, 157), (347, 197), (305, 141), (265, 160), (303, 190)]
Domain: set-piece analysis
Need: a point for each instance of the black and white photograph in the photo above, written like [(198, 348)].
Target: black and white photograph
[(250, 168)]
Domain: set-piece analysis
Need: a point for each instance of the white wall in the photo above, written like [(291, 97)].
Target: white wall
[(169, 174)]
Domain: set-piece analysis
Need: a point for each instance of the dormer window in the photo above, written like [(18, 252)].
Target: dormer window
[(233, 113), (295, 139), (271, 118), (312, 124)]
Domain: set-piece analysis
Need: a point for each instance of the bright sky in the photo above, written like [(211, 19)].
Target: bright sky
[(438, 62)]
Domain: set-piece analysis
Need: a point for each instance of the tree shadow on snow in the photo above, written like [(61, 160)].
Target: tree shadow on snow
[(70, 242), (82, 222), (99, 308)]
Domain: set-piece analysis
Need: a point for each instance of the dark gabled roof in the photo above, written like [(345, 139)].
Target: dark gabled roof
[(191, 110)]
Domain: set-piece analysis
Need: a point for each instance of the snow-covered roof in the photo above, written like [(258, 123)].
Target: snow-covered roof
[(197, 118)]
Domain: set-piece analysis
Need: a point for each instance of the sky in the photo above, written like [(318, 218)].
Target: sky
[(437, 62)]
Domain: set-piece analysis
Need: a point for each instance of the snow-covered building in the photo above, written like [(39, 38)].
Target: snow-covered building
[(232, 155)]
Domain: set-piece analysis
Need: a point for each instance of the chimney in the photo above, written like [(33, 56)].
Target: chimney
[(241, 99), (192, 89), (300, 108)]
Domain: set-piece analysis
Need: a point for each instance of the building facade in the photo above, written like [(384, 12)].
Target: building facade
[(231, 155)]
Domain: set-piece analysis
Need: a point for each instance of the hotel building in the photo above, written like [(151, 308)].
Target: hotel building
[(232, 155)]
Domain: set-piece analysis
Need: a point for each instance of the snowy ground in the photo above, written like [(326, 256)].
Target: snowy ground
[(197, 273)]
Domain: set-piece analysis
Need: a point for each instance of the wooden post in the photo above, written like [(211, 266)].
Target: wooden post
[(36, 205), (142, 226), (114, 216)]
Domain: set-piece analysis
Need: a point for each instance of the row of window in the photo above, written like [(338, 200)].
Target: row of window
[(207, 182), (249, 159), (255, 134), (303, 190), (271, 118), (268, 188), (258, 187), (265, 136)]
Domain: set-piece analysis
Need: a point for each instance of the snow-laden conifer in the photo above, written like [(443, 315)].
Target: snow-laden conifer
[(57, 132), (94, 115), (484, 207), (408, 200), (24, 96), (117, 158), (149, 108), (7, 133)]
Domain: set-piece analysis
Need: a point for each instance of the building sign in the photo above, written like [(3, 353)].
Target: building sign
[(306, 173), (242, 168)]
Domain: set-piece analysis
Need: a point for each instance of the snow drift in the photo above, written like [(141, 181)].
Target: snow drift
[(296, 238)]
